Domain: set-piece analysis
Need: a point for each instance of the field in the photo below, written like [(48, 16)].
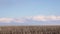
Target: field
[(29, 29)]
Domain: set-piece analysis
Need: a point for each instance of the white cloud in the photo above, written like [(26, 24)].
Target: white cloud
[(45, 18), (8, 20), (32, 18), (20, 20)]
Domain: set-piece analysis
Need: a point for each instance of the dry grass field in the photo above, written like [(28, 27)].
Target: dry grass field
[(29, 29)]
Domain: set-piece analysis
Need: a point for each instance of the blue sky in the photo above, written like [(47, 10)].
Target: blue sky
[(21, 8), (33, 12)]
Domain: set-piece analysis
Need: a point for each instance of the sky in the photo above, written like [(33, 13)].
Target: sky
[(21, 8), (12, 9)]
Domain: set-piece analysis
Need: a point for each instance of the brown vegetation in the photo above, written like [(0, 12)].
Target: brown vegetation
[(30, 30)]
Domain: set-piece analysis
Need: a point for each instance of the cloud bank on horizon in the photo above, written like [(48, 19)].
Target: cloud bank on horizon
[(30, 18), (8, 20)]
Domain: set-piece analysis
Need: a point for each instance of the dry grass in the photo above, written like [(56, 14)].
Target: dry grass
[(30, 30)]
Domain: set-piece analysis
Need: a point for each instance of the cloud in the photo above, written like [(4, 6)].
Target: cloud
[(19, 20), (44, 18), (8, 20), (30, 18)]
